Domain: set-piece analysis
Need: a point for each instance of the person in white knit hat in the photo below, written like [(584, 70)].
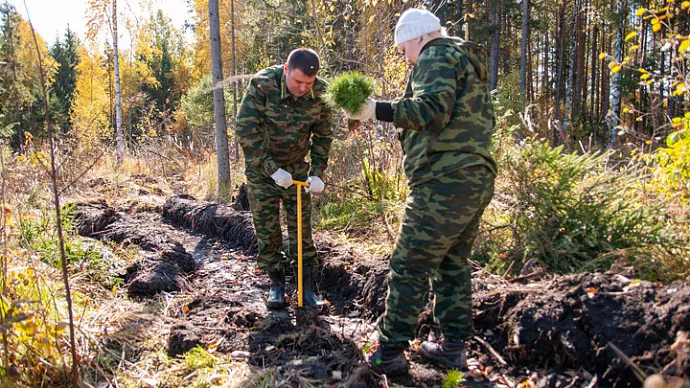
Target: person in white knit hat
[(446, 121)]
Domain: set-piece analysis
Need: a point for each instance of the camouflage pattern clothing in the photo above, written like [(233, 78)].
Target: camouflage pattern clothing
[(447, 120), (446, 114), (277, 130)]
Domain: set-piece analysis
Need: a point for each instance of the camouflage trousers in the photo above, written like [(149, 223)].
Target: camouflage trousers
[(440, 224), (265, 198)]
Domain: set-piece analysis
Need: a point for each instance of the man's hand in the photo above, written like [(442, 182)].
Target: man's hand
[(366, 112), (282, 178), (315, 185)]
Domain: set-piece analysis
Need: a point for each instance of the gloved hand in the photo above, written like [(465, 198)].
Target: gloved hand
[(366, 112), (282, 178), (315, 185)]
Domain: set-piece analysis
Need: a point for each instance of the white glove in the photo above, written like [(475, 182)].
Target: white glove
[(282, 178), (315, 185), (366, 112)]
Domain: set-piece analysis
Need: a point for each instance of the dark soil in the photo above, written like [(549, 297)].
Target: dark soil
[(233, 226), (574, 330)]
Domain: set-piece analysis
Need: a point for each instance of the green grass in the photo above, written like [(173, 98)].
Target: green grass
[(349, 214), (198, 357), (453, 379), (349, 91)]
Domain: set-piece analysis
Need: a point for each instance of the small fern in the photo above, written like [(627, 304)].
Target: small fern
[(453, 379), (349, 91)]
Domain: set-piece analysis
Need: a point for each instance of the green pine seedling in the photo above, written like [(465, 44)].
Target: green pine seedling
[(453, 378), (349, 91)]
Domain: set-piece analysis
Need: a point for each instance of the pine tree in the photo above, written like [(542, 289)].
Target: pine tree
[(65, 54)]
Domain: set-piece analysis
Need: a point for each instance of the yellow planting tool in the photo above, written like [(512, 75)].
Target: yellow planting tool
[(300, 291)]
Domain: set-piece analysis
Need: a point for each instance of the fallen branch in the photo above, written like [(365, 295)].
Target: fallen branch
[(532, 275), (491, 350)]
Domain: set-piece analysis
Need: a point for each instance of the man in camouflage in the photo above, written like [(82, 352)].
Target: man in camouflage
[(281, 120), (447, 120)]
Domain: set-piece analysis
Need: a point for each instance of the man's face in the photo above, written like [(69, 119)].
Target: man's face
[(410, 49), (298, 84)]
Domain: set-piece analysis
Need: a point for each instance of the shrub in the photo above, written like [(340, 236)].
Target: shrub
[(570, 211)]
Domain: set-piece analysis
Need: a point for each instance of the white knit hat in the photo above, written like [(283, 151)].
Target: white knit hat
[(414, 23)]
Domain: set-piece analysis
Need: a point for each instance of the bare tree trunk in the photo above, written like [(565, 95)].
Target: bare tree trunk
[(234, 82), (614, 114), (594, 56), (219, 103), (495, 42), (530, 66), (545, 82), (507, 31), (523, 45), (459, 10), (571, 79), (579, 59), (561, 65), (641, 90), (120, 148), (468, 22)]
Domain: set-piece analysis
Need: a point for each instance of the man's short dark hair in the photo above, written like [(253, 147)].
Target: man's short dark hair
[(304, 59)]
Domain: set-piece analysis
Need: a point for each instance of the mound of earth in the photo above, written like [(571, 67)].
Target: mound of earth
[(163, 264), (587, 329)]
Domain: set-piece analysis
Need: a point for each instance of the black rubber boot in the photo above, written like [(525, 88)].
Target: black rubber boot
[(276, 295), (388, 361), (310, 298), (448, 353)]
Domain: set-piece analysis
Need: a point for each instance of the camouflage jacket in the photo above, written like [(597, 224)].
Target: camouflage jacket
[(446, 114), (277, 130)]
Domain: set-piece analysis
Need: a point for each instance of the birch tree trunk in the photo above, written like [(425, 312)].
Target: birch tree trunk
[(615, 112), (219, 103), (120, 147)]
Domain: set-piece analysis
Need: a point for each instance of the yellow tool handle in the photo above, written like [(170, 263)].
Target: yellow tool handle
[(300, 290)]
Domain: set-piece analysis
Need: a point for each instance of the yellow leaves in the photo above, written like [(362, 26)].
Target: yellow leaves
[(602, 55), (630, 36), (685, 5), (684, 45), (645, 75), (656, 27), (616, 69), (640, 11), (680, 89), (634, 47)]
